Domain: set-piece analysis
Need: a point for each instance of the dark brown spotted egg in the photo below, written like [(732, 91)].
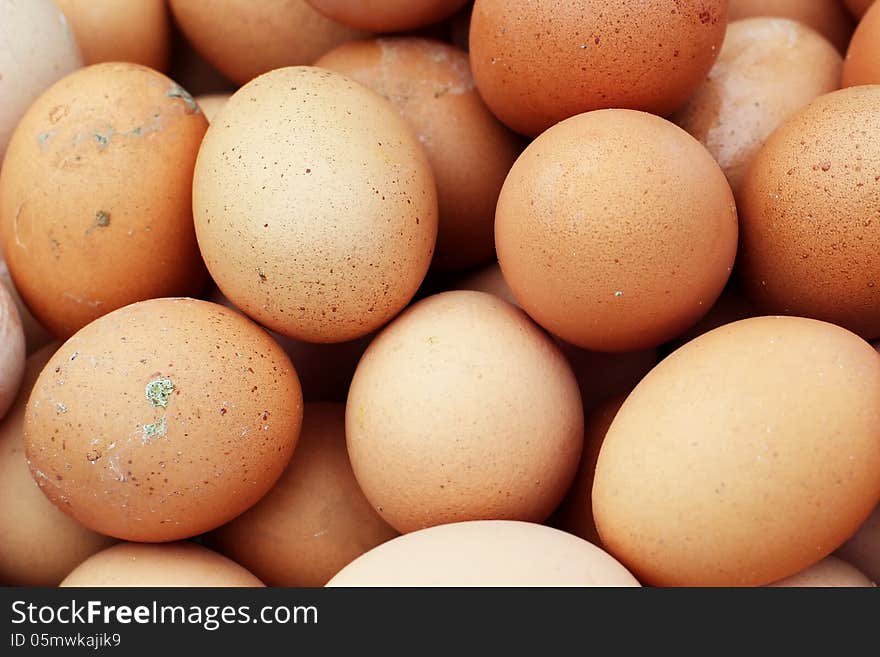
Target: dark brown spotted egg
[(163, 420)]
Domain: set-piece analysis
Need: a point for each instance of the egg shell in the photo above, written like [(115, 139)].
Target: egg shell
[(315, 520), (12, 350), (470, 152), (163, 420), (181, 565), (485, 553), (744, 457), (387, 15), (135, 31), (244, 39), (828, 17), (862, 64), (41, 544), (37, 48), (537, 63), (607, 238), (96, 194), (863, 548), (808, 243), (35, 335), (211, 104), (768, 69), (315, 205), (463, 409), (575, 514), (858, 7), (830, 572)]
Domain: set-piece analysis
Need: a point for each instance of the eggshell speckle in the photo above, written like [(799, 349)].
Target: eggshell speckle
[(744, 457), (95, 195), (828, 17), (768, 69), (136, 31), (183, 565), (808, 207), (244, 39), (315, 205), (607, 238), (37, 48), (41, 544), (315, 520), (862, 64), (162, 420), (538, 63), (830, 572), (486, 553), (462, 409), (12, 350), (470, 152)]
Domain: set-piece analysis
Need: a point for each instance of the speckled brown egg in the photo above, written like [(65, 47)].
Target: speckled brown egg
[(244, 39), (862, 64), (858, 7), (315, 205), (387, 15), (616, 230), (37, 49), (41, 544), (768, 69), (182, 565), (575, 514), (463, 409), (863, 548), (35, 335), (12, 350), (95, 195), (744, 457), (163, 420), (537, 63), (828, 17), (830, 572), (486, 553), (136, 31), (315, 520), (470, 152), (211, 104), (809, 245)]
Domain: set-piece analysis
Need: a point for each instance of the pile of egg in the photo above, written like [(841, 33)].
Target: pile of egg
[(437, 292)]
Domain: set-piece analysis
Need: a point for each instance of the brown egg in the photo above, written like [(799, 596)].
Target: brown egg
[(36, 49), (744, 457), (863, 548), (315, 205), (387, 15), (862, 64), (538, 63), (858, 7), (35, 335), (830, 572), (41, 544), (575, 514), (12, 350), (470, 152), (462, 409), (486, 553), (134, 31), (163, 420), (244, 39), (768, 69), (616, 230), (808, 243), (211, 104), (183, 565), (599, 375), (828, 17), (315, 520), (95, 195)]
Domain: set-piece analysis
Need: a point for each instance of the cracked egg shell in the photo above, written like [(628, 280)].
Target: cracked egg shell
[(96, 195), (315, 205), (163, 420)]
